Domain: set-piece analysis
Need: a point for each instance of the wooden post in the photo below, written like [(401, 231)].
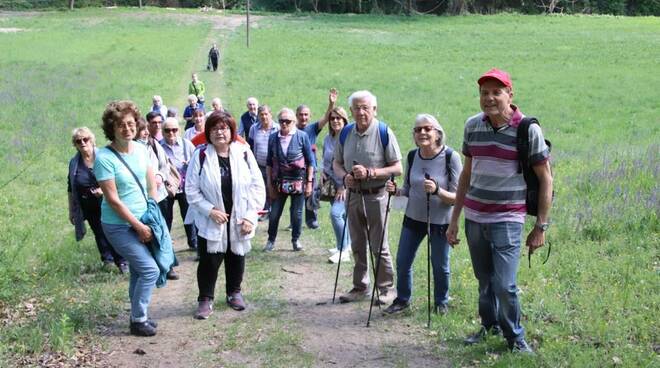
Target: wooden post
[(247, 29)]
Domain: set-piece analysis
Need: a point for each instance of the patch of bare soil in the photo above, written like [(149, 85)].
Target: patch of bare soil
[(337, 333)]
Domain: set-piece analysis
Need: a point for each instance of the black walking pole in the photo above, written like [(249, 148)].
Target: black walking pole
[(428, 254), (343, 243), (364, 208), (380, 254)]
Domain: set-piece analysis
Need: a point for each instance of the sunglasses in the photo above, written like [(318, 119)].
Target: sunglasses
[(171, 130), (81, 140), (285, 121), (336, 118), (426, 129)]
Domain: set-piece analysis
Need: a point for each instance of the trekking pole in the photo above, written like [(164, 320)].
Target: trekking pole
[(364, 208), (428, 254), (380, 254), (343, 244)]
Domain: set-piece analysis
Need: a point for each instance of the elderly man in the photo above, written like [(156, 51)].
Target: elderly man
[(158, 106), (179, 151), (248, 118), (258, 141), (189, 110), (304, 116), (366, 155), (493, 192), (216, 105)]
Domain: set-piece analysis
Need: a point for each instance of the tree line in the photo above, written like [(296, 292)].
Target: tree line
[(408, 7)]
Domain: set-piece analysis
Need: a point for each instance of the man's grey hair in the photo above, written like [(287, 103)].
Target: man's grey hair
[(157, 98), (286, 109), (362, 95), (192, 98), (216, 100), (171, 121), (256, 102)]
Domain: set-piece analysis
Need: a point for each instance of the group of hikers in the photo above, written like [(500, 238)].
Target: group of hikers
[(229, 174)]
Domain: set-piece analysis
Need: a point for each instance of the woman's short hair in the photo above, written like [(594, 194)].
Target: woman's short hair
[(338, 110), (217, 118), (114, 112), (82, 132), (288, 110), (199, 111), (192, 98), (140, 125), (428, 118)]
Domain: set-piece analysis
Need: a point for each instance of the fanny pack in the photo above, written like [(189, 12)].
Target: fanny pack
[(290, 185)]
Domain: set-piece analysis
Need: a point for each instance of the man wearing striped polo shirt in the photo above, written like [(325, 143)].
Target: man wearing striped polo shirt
[(493, 193)]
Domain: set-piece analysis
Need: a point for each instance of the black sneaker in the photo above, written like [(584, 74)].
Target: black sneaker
[(397, 306), (153, 323), (269, 246), (520, 347), (297, 247), (142, 329), (480, 335)]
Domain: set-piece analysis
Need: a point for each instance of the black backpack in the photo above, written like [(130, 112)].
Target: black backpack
[(411, 158), (524, 167)]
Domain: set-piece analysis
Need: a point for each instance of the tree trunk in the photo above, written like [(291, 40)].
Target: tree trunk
[(140, 3), (71, 3)]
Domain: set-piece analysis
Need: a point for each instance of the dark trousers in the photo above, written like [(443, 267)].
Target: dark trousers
[(214, 63), (167, 210), (311, 215), (207, 271), (91, 209), (276, 209)]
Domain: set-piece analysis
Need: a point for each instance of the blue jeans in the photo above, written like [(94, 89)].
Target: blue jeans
[(411, 237), (338, 219), (141, 264), (276, 208), (495, 253)]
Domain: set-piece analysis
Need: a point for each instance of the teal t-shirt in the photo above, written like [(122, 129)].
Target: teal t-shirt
[(107, 166)]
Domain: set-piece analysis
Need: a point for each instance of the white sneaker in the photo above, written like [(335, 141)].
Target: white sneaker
[(333, 250), (345, 257)]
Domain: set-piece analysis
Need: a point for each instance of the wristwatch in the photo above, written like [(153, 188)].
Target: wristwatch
[(542, 226)]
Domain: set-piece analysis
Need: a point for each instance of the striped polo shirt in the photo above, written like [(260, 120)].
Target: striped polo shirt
[(497, 191)]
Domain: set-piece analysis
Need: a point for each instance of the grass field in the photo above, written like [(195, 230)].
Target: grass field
[(592, 81)]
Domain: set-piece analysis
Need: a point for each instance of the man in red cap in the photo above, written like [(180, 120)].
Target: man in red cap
[(493, 193)]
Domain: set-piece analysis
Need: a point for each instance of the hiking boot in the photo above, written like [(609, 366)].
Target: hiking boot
[(520, 347), (204, 309), (345, 257), (313, 225), (172, 275), (354, 295), (269, 246), (385, 296), (481, 335), (397, 306), (153, 323), (441, 309), (297, 247), (235, 301), (142, 329), (123, 268)]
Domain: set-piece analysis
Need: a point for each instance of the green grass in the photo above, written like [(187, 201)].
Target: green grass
[(592, 81)]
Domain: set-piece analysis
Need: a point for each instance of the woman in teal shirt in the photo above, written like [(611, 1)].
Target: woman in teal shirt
[(124, 203)]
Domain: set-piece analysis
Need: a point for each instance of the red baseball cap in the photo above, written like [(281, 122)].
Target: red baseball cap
[(499, 75)]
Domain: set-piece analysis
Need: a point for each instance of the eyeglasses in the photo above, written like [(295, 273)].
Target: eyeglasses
[(219, 128), (426, 129), (285, 121), (336, 118), (171, 130), (81, 140)]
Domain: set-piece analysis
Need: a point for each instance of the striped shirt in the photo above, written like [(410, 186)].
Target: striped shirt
[(497, 191)]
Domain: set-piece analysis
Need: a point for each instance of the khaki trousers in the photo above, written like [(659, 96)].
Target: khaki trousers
[(376, 207)]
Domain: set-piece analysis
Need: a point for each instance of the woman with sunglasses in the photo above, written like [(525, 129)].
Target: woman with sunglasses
[(337, 119), (289, 173), (85, 197), (432, 172)]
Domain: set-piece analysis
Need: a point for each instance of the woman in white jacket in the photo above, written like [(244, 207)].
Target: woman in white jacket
[(225, 190)]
